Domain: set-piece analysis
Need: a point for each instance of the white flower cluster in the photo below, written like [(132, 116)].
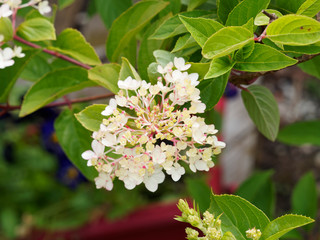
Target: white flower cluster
[(253, 234), (158, 134), (8, 7), (7, 54)]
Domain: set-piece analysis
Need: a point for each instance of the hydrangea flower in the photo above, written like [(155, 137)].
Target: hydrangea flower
[(161, 133), (7, 54)]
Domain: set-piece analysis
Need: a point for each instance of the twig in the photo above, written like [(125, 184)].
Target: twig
[(247, 78), (53, 53), (8, 108), (272, 16)]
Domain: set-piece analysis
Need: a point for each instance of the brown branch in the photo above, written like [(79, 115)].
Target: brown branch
[(249, 78), (8, 108), (53, 53), (272, 16)]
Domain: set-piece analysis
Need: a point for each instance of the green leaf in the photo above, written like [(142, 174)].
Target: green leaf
[(127, 70), (9, 75), (228, 236), (245, 10), (238, 215), (6, 29), (219, 66), (200, 68), (264, 58), (286, 6), (78, 48), (106, 75), (309, 8), (211, 90), (74, 140), (173, 26), (37, 29), (301, 133), (36, 68), (109, 10), (173, 8), (282, 225), (64, 3), (153, 73), (244, 52), (200, 192), (262, 109), (294, 30), (9, 221), (225, 7), (186, 41), (309, 49), (147, 46), (91, 117), (194, 4), (226, 41), (163, 57), (200, 28), (262, 19), (52, 86), (128, 24), (260, 191), (304, 199)]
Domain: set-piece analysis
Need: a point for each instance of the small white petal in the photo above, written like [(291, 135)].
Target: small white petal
[(87, 155), (97, 147)]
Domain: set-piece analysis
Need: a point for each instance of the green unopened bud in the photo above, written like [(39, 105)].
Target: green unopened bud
[(183, 206), (253, 233), (192, 234), (208, 219), (213, 233), (194, 220)]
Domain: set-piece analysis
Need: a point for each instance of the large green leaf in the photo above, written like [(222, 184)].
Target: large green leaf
[(52, 86), (238, 215), (263, 110), (228, 236), (9, 75), (106, 75), (264, 58), (128, 24), (78, 48), (301, 133), (201, 28), (304, 198), (37, 67), (6, 29), (282, 225), (219, 66), (109, 10), (91, 116), (224, 8), (226, 41), (309, 8), (173, 26), (37, 29), (286, 6), (74, 140), (211, 90), (147, 46), (245, 10), (260, 191), (294, 30)]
